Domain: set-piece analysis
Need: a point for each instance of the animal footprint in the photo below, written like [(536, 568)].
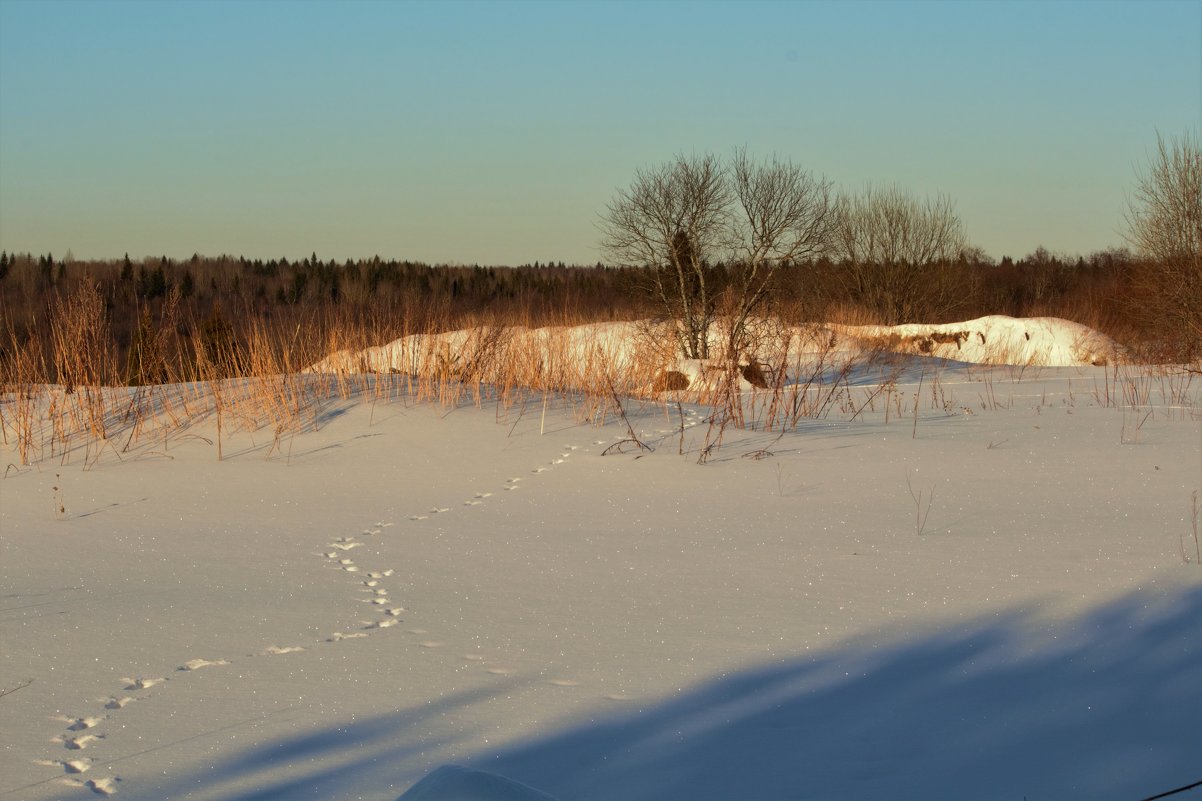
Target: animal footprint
[(197, 664), (382, 624), (439, 509), (84, 723), (540, 470), (338, 636), (274, 650), (395, 611), (472, 503), (345, 546), (118, 703), (383, 525), (68, 765), (142, 684), (431, 644), (102, 786), (483, 494), (473, 657), (500, 671), (564, 682), (418, 517), (81, 742)]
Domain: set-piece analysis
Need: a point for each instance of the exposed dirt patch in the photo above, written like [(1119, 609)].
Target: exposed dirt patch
[(670, 381), (754, 374)]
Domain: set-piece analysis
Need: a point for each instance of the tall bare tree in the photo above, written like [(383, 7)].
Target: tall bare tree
[(672, 221), (677, 221), (783, 215), (1164, 221), (892, 244)]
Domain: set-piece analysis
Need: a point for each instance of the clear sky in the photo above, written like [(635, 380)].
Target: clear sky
[(495, 132)]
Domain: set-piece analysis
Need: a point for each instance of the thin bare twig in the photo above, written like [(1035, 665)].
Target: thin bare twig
[(920, 512), (12, 690)]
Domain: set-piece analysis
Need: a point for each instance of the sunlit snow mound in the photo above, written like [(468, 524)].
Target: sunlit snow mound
[(580, 354), (996, 339), (453, 783)]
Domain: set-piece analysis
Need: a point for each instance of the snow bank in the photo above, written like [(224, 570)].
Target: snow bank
[(486, 348), (996, 339), (641, 356)]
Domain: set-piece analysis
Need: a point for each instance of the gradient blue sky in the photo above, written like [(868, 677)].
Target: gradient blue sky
[(495, 132)]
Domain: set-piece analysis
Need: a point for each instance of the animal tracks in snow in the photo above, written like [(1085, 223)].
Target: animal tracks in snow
[(86, 740), (391, 614), (89, 732), (83, 732), (73, 766)]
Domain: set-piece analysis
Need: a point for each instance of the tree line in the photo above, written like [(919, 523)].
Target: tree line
[(895, 257), (694, 240), (221, 299)]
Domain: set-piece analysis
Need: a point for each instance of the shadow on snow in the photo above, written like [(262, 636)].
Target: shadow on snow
[(1107, 705)]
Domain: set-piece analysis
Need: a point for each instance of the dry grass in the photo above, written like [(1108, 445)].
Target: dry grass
[(63, 396)]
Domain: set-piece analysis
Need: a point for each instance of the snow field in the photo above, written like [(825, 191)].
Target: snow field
[(413, 586)]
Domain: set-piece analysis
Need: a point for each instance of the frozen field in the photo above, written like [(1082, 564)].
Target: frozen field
[(996, 598)]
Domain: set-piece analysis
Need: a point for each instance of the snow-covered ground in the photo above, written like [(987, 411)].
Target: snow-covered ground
[(988, 599)]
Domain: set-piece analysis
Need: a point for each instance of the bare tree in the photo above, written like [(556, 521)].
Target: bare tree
[(1164, 221), (892, 244), (678, 221), (784, 215), (672, 221)]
